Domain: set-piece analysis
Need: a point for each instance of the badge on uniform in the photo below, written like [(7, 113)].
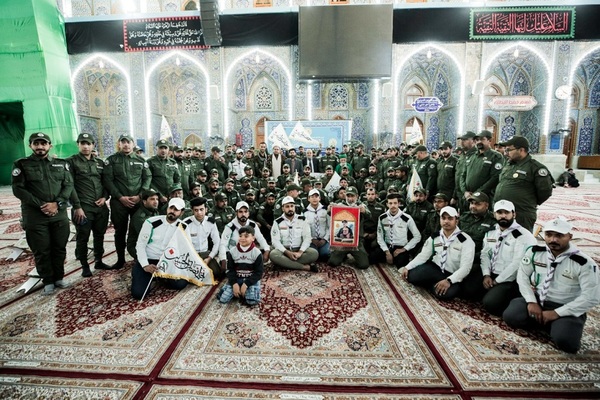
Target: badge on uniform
[(515, 175), (498, 166), (543, 172), (67, 166), (106, 162), (16, 172), (145, 165), (526, 260), (431, 166)]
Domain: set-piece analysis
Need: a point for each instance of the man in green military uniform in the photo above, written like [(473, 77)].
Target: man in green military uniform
[(371, 220), (165, 172), (468, 150), (126, 175), (293, 191), (185, 171), (328, 159), (149, 208), (524, 181), (44, 184), (360, 159), (446, 171), (216, 162), (483, 168), (426, 167), (90, 211), (221, 212)]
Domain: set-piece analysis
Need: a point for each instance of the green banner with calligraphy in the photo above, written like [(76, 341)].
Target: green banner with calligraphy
[(544, 23)]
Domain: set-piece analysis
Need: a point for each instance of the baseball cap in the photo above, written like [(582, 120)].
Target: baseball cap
[(125, 137), (468, 135), (518, 142), (314, 191), (486, 134), (148, 193), (287, 200), (177, 203), (271, 194), (421, 148), (250, 192), (215, 148), (441, 196), (558, 225), (446, 145), (241, 204), (479, 196), (328, 167), (202, 173), (240, 151), (247, 167), (85, 137), (504, 205), (214, 171), (176, 186), (293, 186), (352, 190), (177, 148), (211, 180), (220, 197), (420, 190), (451, 211), (162, 143), (39, 136)]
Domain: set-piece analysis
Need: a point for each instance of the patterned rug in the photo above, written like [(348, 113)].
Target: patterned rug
[(33, 387), (339, 326), (485, 354)]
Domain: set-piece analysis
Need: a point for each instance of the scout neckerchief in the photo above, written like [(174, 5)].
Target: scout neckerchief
[(446, 244), (552, 263), (501, 237)]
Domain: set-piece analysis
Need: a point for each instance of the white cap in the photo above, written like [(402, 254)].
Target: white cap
[(504, 205), (314, 191), (451, 211), (241, 204), (177, 203), (287, 199), (559, 225), (239, 151)]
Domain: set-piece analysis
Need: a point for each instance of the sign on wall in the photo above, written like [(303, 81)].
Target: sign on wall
[(522, 23), (151, 34), (512, 103), (427, 104)]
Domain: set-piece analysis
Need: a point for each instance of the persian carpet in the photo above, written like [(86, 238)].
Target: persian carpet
[(34, 387)]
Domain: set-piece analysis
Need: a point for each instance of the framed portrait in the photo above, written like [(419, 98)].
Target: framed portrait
[(345, 227)]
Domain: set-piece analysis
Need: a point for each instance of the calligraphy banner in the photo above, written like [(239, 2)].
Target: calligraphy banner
[(153, 34), (345, 227), (522, 23)]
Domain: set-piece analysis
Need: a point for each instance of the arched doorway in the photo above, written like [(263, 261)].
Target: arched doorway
[(492, 126), (259, 131), (192, 140)]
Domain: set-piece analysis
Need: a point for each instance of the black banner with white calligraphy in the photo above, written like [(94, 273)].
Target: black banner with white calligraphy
[(543, 23), (162, 34)]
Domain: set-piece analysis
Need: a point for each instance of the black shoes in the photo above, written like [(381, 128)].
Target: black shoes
[(118, 265), (85, 270), (98, 264)]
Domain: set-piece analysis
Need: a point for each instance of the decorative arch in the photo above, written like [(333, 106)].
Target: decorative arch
[(457, 65), (234, 66), (584, 59), (192, 140), (264, 93), (413, 92), (148, 89)]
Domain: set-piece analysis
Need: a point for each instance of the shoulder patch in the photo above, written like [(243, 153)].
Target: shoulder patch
[(279, 220), (157, 223), (16, 172), (404, 218), (543, 172), (578, 259), (145, 164), (537, 249), (498, 166), (461, 238), (252, 224), (382, 216), (302, 217), (432, 165), (106, 162), (516, 233)]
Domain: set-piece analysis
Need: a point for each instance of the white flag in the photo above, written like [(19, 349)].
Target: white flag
[(416, 136), (165, 129), (414, 184), (180, 261), (333, 184)]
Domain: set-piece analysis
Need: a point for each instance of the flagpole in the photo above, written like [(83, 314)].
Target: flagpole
[(147, 287)]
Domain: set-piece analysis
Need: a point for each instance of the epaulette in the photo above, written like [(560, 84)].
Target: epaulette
[(435, 234), (404, 218), (188, 220), (211, 219), (537, 249), (279, 220), (183, 224), (461, 238), (516, 233), (157, 223), (252, 224), (302, 217), (578, 259), (382, 216)]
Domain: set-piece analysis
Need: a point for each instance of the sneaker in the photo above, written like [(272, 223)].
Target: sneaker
[(48, 290), (62, 284)]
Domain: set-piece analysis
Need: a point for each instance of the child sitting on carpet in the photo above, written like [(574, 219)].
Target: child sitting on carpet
[(244, 270)]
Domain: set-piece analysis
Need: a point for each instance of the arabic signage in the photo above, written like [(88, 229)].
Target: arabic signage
[(427, 104), (163, 33), (522, 23), (512, 103)]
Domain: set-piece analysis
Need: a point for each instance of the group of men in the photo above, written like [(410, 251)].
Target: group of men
[(443, 234)]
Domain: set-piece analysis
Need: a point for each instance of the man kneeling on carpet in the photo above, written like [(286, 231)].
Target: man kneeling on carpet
[(445, 260), (154, 238), (559, 284), (244, 269)]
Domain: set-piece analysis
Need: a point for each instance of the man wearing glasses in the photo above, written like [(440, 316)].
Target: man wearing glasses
[(523, 181)]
